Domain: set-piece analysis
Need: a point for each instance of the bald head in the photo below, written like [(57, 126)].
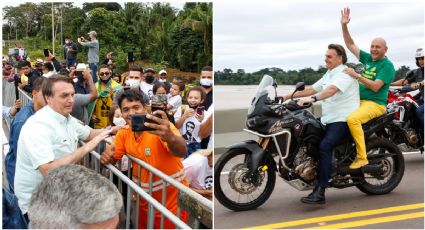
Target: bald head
[(378, 49)]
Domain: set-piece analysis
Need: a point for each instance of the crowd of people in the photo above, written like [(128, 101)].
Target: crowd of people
[(74, 101)]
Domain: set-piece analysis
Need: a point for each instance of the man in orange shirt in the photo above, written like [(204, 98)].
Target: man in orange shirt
[(162, 148)]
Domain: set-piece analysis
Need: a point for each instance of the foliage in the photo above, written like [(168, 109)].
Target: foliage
[(290, 77), (155, 32)]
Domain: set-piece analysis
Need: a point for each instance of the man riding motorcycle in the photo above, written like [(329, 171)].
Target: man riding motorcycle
[(415, 79), (343, 94)]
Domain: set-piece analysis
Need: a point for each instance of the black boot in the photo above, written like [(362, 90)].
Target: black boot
[(316, 197)]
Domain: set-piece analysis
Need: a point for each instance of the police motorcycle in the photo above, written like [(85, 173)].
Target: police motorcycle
[(288, 142), (405, 130)]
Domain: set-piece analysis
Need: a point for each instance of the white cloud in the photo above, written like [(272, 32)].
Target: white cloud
[(252, 35)]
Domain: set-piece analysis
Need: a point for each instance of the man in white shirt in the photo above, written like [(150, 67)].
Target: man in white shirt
[(50, 138), (340, 95), (147, 82)]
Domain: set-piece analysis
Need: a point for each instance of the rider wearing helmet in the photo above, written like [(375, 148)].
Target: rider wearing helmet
[(416, 80), (413, 77)]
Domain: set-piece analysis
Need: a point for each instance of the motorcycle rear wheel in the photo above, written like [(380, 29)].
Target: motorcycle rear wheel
[(230, 187), (393, 168)]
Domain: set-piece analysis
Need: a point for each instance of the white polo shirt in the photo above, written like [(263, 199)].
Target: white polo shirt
[(46, 136), (337, 107)]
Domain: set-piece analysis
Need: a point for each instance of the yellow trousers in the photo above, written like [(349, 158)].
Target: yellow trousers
[(366, 112)]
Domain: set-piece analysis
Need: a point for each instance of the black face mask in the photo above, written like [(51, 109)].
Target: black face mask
[(149, 79), (105, 81), (193, 107)]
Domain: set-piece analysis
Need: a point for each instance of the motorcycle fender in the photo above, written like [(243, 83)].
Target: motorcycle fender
[(257, 153)]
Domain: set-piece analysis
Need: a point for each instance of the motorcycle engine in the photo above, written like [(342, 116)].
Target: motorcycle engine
[(411, 136), (305, 166)]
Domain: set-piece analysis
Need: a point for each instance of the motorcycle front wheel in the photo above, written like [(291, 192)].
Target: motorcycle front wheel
[(388, 156), (233, 189)]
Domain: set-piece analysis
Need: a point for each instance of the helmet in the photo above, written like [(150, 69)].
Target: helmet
[(419, 53)]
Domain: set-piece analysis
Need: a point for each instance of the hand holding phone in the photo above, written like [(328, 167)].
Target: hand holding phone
[(130, 57), (46, 52), (138, 122), (200, 110)]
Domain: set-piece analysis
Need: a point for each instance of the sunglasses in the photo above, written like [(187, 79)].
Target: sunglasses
[(104, 74)]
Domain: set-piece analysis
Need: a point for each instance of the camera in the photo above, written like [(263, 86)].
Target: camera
[(138, 122), (158, 103)]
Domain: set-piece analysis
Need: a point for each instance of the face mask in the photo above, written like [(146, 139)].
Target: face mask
[(206, 83), (132, 83), (193, 106), (162, 80), (119, 121), (104, 81), (149, 79)]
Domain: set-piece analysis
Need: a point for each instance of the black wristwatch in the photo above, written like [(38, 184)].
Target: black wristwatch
[(314, 98)]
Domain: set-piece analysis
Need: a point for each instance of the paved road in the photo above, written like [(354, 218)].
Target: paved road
[(345, 208)]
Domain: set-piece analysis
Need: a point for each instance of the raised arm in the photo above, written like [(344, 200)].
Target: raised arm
[(345, 19)]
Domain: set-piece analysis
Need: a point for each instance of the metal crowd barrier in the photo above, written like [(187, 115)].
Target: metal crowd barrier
[(202, 213)]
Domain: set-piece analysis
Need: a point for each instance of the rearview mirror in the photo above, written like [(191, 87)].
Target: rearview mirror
[(300, 86)]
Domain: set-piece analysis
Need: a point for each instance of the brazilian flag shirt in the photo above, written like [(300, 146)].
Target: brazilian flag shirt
[(382, 70)]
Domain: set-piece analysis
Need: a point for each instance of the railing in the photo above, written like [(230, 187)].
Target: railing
[(201, 214)]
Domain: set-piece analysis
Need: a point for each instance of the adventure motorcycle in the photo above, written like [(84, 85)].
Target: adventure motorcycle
[(288, 144), (405, 130)]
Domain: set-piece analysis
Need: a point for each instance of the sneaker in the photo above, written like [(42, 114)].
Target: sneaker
[(358, 164)]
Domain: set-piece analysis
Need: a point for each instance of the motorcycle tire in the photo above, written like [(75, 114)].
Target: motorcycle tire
[(222, 196), (396, 173)]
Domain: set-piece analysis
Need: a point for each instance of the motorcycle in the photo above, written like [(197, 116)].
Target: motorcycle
[(405, 130), (288, 142)]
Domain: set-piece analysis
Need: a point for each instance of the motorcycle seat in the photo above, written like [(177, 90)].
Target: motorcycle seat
[(377, 123)]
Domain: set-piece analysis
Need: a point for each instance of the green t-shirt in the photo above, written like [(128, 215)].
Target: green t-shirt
[(382, 70)]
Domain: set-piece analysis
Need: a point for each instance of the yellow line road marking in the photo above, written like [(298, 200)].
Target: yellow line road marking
[(378, 220), (339, 217)]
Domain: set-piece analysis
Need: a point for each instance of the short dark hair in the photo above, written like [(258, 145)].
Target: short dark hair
[(135, 67), (130, 95), (103, 66), (23, 63), (38, 83), (181, 85), (48, 66), (207, 68), (196, 88), (340, 51), (157, 86), (47, 87)]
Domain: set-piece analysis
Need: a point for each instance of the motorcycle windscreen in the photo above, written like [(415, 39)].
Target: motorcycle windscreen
[(264, 88)]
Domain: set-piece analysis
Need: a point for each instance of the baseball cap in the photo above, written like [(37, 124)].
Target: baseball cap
[(162, 71), (38, 61), (148, 70), (92, 33)]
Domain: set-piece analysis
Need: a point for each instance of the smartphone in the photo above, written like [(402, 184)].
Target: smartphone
[(138, 120), (200, 109), (46, 52), (130, 57)]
